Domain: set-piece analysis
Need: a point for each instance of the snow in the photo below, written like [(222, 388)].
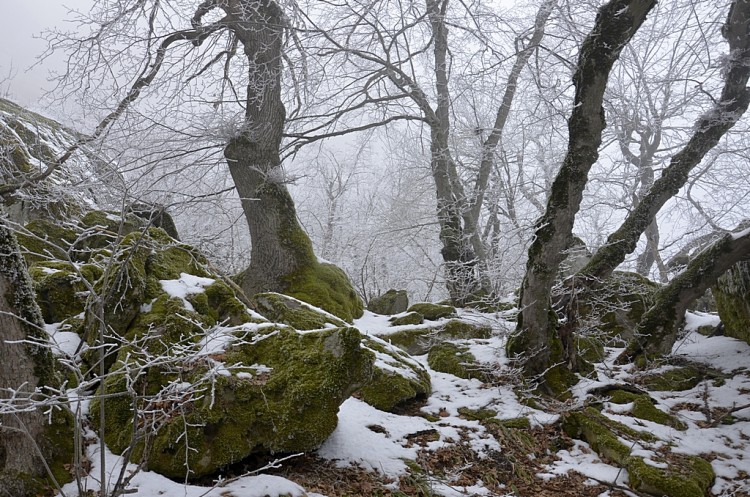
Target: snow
[(186, 284), (383, 442)]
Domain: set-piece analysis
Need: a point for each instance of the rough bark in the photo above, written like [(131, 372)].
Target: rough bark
[(25, 367), (732, 104), (279, 245), (458, 254), (657, 330), (616, 23)]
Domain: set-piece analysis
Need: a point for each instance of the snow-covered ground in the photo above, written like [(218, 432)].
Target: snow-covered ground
[(380, 442)]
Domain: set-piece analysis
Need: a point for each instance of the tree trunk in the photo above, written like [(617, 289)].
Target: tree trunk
[(733, 103), (25, 368), (616, 23), (462, 277), (279, 244), (658, 328)]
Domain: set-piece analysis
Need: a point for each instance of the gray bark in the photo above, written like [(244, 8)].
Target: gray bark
[(732, 104), (25, 367), (279, 245), (658, 328), (616, 23)]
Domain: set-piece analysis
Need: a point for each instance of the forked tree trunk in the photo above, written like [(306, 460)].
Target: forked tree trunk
[(279, 245), (24, 367), (711, 126), (536, 339)]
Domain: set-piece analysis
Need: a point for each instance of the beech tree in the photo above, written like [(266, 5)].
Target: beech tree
[(545, 346)]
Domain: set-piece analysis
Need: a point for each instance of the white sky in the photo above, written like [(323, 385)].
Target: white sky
[(21, 23)]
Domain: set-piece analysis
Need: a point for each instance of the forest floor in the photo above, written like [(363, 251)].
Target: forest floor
[(466, 438)]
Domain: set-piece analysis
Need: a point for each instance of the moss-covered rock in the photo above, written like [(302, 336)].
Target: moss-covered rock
[(293, 312), (280, 392), (732, 294), (418, 341), (685, 476), (673, 380), (391, 302), (406, 319), (62, 288), (455, 359), (590, 348), (326, 286), (672, 476), (397, 378), (433, 312), (644, 408), (615, 309)]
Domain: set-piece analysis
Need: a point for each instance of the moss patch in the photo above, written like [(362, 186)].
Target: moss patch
[(433, 312), (326, 286), (293, 312), (418, 341), (644, 408), (673, 380), (454, 359)]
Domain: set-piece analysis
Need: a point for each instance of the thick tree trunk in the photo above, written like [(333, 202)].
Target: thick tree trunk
[(25, 367), (279, 244), (657, 330), (537, 337), (733, 103)]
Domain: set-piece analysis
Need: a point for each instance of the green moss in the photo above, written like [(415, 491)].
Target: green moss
[(686, 476), (674, 380), (291, 406), (616, 309), (326, 286), (590, 348), (478, 414), (513, 423), (290, 311), (391, 302), (44, 240), (418, 341), (732, 293), (397, 378), (644, 408), (410, 318), (592, 427), (433, 312), (454, 359)]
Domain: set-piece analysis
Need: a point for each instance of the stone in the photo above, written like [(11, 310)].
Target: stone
[(397, 378), (732, 294), (390, 303), (433, 312)]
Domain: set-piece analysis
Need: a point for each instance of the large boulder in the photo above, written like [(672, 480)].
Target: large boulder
[(269, 389), (732, 294), (391, 302)]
